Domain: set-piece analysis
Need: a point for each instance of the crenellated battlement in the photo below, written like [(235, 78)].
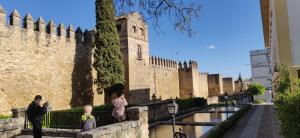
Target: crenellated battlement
[(38, 28), (162, 62), (188, 65), (36, 54)]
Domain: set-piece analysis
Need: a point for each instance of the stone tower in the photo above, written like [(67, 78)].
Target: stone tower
[(133, 34), (215, 85), (189, 79)]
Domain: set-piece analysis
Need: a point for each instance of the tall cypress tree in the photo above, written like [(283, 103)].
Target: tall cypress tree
[(241, 82), (107, 56)]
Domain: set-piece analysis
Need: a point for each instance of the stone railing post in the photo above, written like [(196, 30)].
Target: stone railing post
[(139, 114), (20, 114)]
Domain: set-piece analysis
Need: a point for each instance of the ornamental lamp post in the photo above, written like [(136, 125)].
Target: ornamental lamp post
[(249, 97), (172, 109), (226, 104)]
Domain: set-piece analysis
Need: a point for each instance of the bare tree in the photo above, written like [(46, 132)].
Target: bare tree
[(179, 12)]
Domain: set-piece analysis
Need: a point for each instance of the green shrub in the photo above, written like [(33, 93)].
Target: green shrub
[(108, 107), (168, 117), (224, 126), (70, 118), (259, 101), (184, 104), (288, 112), (256, 89), (283, 84), (287, 104)]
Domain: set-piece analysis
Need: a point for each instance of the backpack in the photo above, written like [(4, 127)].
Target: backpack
[(29, 113), (87, 122)]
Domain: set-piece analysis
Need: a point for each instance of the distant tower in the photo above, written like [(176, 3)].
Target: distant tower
[(188, 72), (133, 33), (240, 80)]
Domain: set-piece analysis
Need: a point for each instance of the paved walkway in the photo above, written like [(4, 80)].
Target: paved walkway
[(259, 122)]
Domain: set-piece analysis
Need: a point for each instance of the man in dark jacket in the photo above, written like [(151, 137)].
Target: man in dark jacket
[(35, 112)]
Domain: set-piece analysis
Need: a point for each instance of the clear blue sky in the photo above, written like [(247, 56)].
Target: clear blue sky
[(226, 32)]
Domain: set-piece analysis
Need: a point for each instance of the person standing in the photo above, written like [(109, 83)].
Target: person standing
[(119, 104), (88, 121), (35, 113)]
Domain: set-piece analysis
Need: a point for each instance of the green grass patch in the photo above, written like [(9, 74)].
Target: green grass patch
[(259, 101)]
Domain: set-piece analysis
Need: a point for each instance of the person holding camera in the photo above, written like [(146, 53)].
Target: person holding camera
[(35, 113)]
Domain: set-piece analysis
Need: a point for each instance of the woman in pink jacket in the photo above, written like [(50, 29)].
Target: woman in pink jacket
[(119, 104)]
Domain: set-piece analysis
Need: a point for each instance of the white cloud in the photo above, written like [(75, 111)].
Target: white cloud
[(211, 47)]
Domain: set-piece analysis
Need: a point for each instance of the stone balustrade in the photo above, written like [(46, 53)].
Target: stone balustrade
[(9, 127), (136, 127)]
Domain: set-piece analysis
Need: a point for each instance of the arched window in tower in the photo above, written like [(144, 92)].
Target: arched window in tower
[(142, 32), (139, 52), (119, 27), (134, 29)]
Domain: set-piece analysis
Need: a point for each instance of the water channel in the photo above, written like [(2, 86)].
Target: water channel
[(196, 124)]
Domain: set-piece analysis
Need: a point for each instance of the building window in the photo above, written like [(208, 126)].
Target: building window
[(139, 52), (119, 27), (299, 73), (134, 29), (143, 32)]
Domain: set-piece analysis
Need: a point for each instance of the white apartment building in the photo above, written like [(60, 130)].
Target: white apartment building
[(261, 71)]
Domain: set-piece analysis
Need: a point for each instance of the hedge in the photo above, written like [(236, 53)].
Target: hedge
[(184, 104), (95, 108), (70, 118), (288, 112), (5, 116), (224, 126)]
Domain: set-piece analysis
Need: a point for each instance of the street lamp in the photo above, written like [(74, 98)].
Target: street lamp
[(172, 109), (241, 99), (226, 98), (249, 97)]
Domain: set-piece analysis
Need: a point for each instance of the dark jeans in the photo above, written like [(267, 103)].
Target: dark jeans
[(37, 129)]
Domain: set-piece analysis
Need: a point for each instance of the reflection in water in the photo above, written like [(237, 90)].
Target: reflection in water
[(206, 117), (165, 131), (229, 108)]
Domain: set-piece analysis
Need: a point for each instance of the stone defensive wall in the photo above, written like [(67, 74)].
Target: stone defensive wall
[(215, 85), (188, 79), (203, 85), (41, 58), (163, 63), (228, 85), (165, 77), (187, 66)]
